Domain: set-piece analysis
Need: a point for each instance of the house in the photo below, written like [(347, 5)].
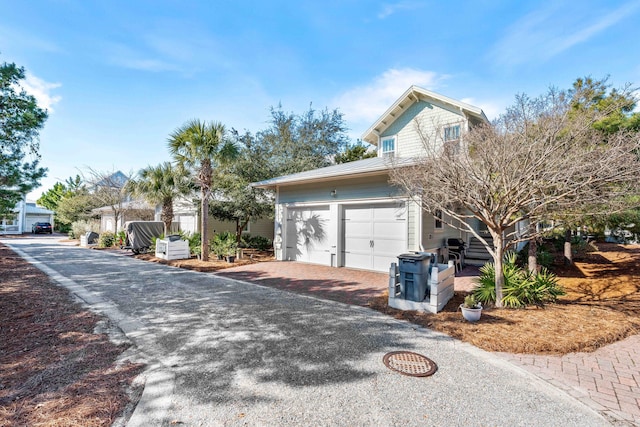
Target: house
[(186, 218), (131, 210), (349, 215), (24, 215)]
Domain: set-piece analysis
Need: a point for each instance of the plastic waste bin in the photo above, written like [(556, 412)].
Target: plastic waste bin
[(91, 237), (414, 274)]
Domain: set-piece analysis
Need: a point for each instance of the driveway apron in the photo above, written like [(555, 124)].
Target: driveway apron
[(235, 353)]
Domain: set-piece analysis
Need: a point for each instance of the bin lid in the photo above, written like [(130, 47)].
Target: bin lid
[(414, 256)]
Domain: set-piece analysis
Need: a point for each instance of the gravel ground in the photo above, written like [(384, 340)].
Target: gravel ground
[(231, 353)]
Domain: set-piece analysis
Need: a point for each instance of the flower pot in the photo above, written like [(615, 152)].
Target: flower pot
[(471, 314)]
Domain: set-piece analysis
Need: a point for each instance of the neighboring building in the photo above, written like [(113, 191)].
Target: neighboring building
[(23, 217), (186, 218), (348, 215), (133, 210)]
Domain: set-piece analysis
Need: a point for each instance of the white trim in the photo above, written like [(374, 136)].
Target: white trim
[(413, 95), (390, 153)]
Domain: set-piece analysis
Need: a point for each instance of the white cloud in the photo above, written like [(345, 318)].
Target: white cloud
[(389, 9), (366, 103), (547, 32), (492, 108), (41, 91)]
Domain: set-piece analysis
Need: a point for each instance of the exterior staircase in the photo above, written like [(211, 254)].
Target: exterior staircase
[(476, 253)]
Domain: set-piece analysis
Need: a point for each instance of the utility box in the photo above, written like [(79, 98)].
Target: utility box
[(414, 275), (172, 249)]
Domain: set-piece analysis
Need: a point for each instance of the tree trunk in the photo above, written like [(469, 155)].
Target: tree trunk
[(568, 258), (532, 259), (204, 224), (499, 271), (167, 215)]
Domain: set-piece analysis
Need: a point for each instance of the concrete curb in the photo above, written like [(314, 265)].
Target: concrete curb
[(159, 384)]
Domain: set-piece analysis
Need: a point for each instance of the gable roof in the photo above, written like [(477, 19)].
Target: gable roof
[(116, 179), (372, 166), (412, 95)]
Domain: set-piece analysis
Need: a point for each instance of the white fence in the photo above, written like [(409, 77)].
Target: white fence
[(439, 289)]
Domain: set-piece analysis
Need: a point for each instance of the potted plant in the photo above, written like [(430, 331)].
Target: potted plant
[(231, 249), (471, 309)]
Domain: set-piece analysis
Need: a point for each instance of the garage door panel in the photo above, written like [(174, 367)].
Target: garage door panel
[(307, 235), (389, 229), (358, 213), (358, 260), (375, 239), (357, 229)]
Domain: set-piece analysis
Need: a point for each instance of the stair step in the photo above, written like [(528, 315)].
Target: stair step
[(475, 261)]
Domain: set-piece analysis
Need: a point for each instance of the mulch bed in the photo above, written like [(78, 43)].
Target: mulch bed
[(54, 370), (250, 256), (602, 306)]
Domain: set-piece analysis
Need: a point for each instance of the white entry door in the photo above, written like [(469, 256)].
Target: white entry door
[(374, 235), (308, 235)]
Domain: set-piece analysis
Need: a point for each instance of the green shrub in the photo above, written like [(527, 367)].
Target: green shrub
[(544, 258), (121, 238), (194, 240), (106, 239), (79, 228), (521, 288), (224, 244), (259, 242)]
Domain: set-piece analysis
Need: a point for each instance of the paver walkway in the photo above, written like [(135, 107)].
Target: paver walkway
[(607, 380)]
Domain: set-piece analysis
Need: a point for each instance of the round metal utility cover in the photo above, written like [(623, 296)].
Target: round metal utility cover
[(409, 363)]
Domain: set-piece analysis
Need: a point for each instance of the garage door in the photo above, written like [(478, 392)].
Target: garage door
[(374, 235), (307, 235), (32, 219)]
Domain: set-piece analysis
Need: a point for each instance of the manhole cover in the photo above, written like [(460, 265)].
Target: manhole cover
[(409, 363)]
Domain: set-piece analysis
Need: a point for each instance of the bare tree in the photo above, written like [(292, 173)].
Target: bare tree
[(542, 156), (106, 189)]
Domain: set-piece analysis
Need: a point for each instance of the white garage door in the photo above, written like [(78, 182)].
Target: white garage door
[(307, 235), (374, 235), (32, 219)]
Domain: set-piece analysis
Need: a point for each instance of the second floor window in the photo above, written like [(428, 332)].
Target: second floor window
[(388, 145), (452, 133)]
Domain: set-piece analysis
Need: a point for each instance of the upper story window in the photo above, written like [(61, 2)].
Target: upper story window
[(452, 133), (388, 145)]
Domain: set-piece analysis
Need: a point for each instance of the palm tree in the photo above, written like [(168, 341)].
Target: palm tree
[(200, 147), (160, 185)]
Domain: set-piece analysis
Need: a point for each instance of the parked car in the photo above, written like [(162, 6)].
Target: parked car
[(41, 227)]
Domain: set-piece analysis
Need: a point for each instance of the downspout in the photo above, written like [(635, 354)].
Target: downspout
[(278, 232)]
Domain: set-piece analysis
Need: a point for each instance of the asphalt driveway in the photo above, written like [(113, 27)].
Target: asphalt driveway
[(226, 352)]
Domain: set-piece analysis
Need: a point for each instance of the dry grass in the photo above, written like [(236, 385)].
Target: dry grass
[(602, 306), (54, 371)]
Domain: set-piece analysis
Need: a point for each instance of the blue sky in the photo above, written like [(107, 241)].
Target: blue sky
[(119, 76)]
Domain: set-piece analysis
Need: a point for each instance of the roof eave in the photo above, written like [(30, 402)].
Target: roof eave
[(308, 180), (415, 93)]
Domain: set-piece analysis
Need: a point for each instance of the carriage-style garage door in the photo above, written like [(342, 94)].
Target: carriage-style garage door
[(307, 235), (374, 235)]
